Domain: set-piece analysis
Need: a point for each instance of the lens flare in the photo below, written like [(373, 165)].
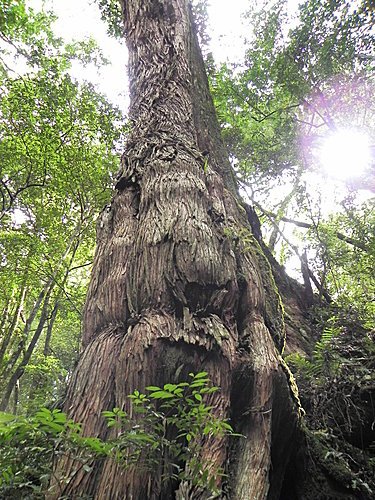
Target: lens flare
[(345, 154)]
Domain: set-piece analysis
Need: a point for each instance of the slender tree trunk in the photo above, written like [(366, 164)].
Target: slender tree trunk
[(6, 339), (44, 297), (5, 314), (16, 394), (179, 284), (13, 381), (34, 311), (51, 322)]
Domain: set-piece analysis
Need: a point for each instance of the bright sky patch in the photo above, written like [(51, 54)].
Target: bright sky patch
[(345, 153)]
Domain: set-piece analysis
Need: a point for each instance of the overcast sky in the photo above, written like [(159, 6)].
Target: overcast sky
[(78, 19)]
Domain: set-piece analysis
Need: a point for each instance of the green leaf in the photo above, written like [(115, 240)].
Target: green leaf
[(153, 388), (108, 413), (170, 387), (161, 395), (6, 417)]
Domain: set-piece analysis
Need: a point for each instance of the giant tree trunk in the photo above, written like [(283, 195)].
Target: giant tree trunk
[(179, 284)]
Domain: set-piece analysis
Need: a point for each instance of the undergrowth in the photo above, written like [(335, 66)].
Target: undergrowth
[(171, 425)]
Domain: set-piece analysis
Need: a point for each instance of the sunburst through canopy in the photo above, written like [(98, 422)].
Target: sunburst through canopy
[(345, 153)]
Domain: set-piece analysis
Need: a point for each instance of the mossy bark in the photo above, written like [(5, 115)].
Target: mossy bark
[(175, 287)]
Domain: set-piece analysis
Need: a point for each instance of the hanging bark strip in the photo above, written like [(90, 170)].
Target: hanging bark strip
[(178, 283)]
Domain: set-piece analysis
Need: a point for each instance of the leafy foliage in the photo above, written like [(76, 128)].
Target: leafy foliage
[(324, 362), (31, 444), (173, 423), (347, 269), (336, 384), (180, 426), (59, 149), (295, 86), (336, 388), (111, 14)]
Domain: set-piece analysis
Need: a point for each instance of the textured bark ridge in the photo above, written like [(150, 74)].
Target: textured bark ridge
[(179, 284)]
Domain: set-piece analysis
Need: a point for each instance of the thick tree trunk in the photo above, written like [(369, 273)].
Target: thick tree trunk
[(179, 284)]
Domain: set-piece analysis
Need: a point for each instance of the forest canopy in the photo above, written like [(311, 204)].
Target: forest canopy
[(296, 113)]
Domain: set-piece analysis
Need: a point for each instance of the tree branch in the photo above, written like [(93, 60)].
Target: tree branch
[(306, 225)]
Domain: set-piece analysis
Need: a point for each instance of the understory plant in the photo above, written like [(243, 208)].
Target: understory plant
[(336, 387), (169, 427)]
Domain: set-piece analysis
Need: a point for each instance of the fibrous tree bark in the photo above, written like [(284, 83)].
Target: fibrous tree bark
[(179, 284)]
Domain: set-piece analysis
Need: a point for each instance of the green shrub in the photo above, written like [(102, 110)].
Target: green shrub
[(172, 423)]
